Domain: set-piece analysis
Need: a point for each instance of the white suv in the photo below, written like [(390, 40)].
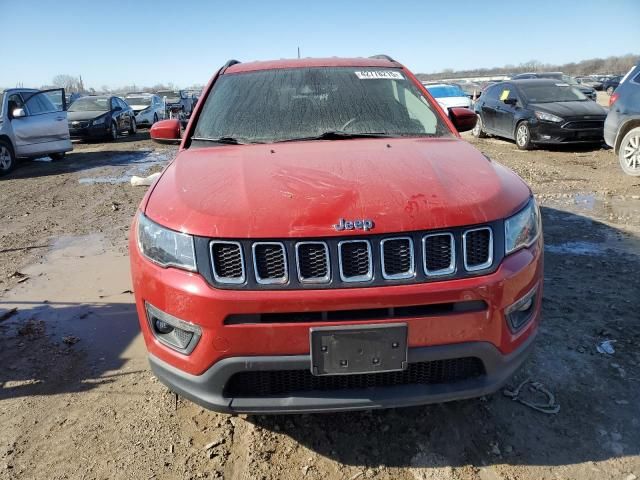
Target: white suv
[(33, 123)]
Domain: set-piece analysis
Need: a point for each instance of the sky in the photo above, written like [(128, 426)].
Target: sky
[(115, 43)]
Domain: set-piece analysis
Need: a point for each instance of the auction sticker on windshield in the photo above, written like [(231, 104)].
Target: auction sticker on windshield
[(380, 74)]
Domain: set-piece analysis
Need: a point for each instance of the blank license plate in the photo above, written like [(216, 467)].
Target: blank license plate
[(361, 349)]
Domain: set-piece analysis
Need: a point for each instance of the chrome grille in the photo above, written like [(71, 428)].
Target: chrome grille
[(352, 262), (478, 248), (269, 261), (355, 260), (439, 254), (227, 262), (397, 258), (313, 262)]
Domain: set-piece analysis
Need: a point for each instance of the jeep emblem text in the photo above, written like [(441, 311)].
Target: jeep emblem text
[(364, 224)]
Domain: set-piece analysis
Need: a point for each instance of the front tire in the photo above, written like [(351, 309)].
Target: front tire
[(56, 157), (133, 128), (113, 133), (7, 158), (629, 153), (523, 136), (477, 131)]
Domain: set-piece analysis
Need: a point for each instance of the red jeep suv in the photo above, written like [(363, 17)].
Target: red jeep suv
[(325, 241)]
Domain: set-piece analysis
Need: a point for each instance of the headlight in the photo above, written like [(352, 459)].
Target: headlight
[(522, 229), (98, 121), (142, 112), (547, 117), (165, 247)]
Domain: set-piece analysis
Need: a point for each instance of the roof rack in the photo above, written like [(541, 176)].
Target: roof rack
[(382, 57), (227, 65)]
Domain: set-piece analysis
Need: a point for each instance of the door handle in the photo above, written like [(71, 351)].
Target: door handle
[(59, 119)]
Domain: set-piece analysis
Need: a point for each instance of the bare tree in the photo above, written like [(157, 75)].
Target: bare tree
[(68, 82), (610, 65)]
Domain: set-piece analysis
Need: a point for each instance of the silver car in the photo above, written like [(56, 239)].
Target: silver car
[(147, 107), (33, 123)]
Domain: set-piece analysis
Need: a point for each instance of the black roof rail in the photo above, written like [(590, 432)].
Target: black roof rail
[(383, 57), (227, 65)]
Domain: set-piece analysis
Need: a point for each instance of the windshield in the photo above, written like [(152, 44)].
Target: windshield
[(443, 91), (138, 100), (90, 104), (554, 92), (299, 103)]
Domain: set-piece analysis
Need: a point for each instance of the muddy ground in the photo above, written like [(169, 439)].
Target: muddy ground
[(77, 399)]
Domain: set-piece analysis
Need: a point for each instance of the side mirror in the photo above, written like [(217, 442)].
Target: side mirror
[(19, 113), (166, 131), (510, 101), (463, 119)]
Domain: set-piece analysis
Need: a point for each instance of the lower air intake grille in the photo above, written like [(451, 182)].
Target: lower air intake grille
[(478, 249), (291, 382)]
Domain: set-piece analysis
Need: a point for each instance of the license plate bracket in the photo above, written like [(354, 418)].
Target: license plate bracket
[(349, 350)]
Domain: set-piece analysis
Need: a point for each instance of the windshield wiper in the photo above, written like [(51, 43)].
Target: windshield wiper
[(338, 135), (224, 140)]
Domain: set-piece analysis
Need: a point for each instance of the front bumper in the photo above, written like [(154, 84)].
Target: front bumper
[(225, 349), (97, 131), (551, 133), (145, 118), (205, 389)]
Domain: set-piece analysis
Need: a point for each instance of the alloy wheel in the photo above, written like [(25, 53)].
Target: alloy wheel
[(5, 158), (477, 129), (522, 136), (631, 154)]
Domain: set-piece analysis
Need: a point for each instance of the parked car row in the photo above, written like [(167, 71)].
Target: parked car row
[(536, 111)]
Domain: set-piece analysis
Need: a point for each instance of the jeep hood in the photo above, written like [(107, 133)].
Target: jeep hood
[(301, 189)]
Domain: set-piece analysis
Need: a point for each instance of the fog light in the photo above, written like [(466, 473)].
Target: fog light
[(171, 331), (521, 312), (162, 327)]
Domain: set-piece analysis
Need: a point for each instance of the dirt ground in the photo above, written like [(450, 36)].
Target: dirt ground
[(77, 399)]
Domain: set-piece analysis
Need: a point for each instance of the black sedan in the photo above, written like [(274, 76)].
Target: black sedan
[(101, 116), (610, 84), (539, 111)]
